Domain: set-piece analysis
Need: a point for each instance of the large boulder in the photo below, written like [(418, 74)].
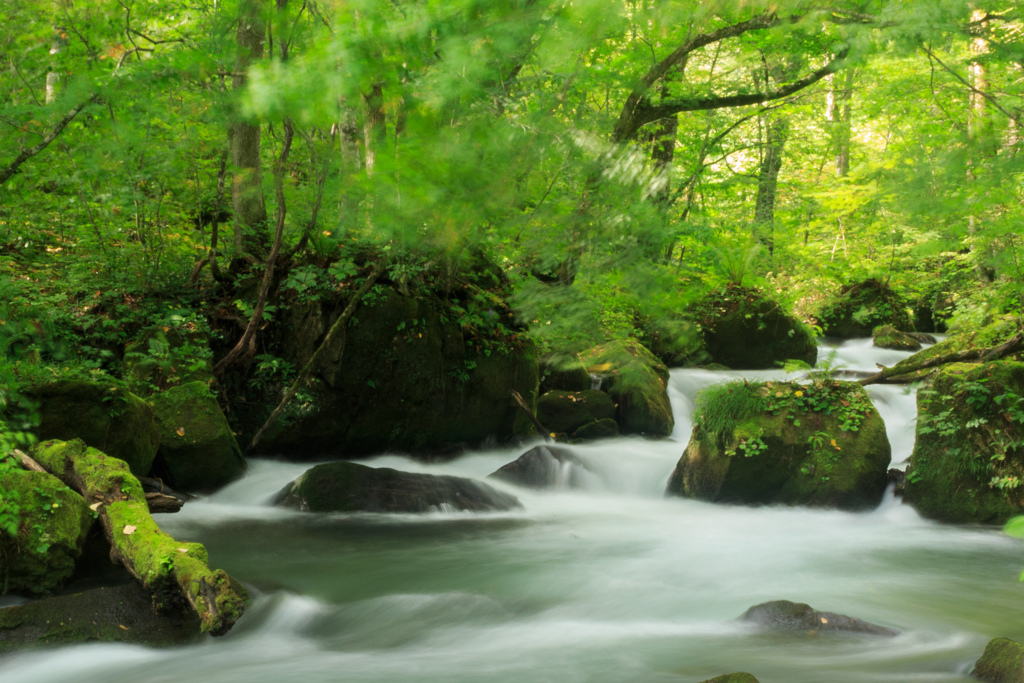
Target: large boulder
[(888, 337), (783, 616), (119, 614), (638, 384), (563, 371), (861, 307), (105, 416), (52, 523), (968, 461), (737, 677), (743, 329), (415, 373), (676, 342), (821, 444), (544, 467), (348, 487), (197, 452), (566, 411), (1002, 662)]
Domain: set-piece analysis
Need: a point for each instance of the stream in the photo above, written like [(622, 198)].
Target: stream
[(611, 583)]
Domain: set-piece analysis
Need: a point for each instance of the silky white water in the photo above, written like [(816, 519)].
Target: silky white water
[(611, 583)]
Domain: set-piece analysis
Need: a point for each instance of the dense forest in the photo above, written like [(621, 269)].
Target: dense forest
[(351, 228)]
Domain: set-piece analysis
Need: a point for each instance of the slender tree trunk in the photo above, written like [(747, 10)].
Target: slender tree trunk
[(843, 126), (58, 45), (776, 134), (247, 201), (374, 129)]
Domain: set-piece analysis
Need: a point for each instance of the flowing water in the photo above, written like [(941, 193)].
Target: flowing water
[(611, 583)]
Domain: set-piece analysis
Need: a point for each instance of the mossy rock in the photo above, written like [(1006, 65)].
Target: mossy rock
[(737, 677), (406, 376), (821, 445), (861, 307), (676, 342), (992, 334), (163, 357), (53, 523), (968, 464), (119, 614), (563, 372), (197, 452), (784, 616), (567, 411), (743, 329), (544, 467), (1002, 662), (106, 416), (638, 384), (348, 487), (888, 337), (599, 429)]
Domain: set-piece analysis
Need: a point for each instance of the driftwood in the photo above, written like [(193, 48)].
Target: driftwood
[(176, 574), (27, 463), (533, 418), (338, 327), (903, 373)]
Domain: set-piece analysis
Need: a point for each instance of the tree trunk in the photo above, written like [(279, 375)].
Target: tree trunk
[(176, 574), (247, 202), (776, 134)]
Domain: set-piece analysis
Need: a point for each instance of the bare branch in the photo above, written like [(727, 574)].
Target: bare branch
[(982, 93), (28, 153)]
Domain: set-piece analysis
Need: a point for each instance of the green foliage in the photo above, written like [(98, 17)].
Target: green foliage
[(722, 407)]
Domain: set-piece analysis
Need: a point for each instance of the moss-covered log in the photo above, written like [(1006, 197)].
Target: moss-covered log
[(176, 574), (909, 370)]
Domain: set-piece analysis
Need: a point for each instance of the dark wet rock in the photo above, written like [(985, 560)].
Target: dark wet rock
[(964, 467), (105, 416), (349, 487), (567, 411), (1002, 662), (744, 329), (121, 614), (599, 429), (923, 337), (738, 677), (53, 523), (821, 444), (197, 452), (638, 384), (783, 616), (860, 307), (888, 337), (544, 467), (563, 372)]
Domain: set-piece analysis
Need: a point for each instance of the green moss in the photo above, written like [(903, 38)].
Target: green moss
[(861, 307), (742, 328), (888, 337), (1002, 662), (968, 459), (638, 383), (53, 522), (821, 444), (104, 415), (197, 449), (988, 336)]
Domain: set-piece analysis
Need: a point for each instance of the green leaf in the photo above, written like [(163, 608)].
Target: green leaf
[(1014, 527)]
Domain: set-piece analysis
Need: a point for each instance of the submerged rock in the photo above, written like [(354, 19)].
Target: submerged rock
[(821, 444), (966, 465), (637, 383), (738, 677), (197, 449), (53, 522), (861, 307), (122, 614), (1002, 662), (544, 467), (785, 616), (888, 337), (105, 416), (348, 487), (567, 411), (743, 329)]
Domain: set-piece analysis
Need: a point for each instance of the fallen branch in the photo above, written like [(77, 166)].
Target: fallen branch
[(533, 418), (27, 462), (902, 373), (176, 574), (339, 326)]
